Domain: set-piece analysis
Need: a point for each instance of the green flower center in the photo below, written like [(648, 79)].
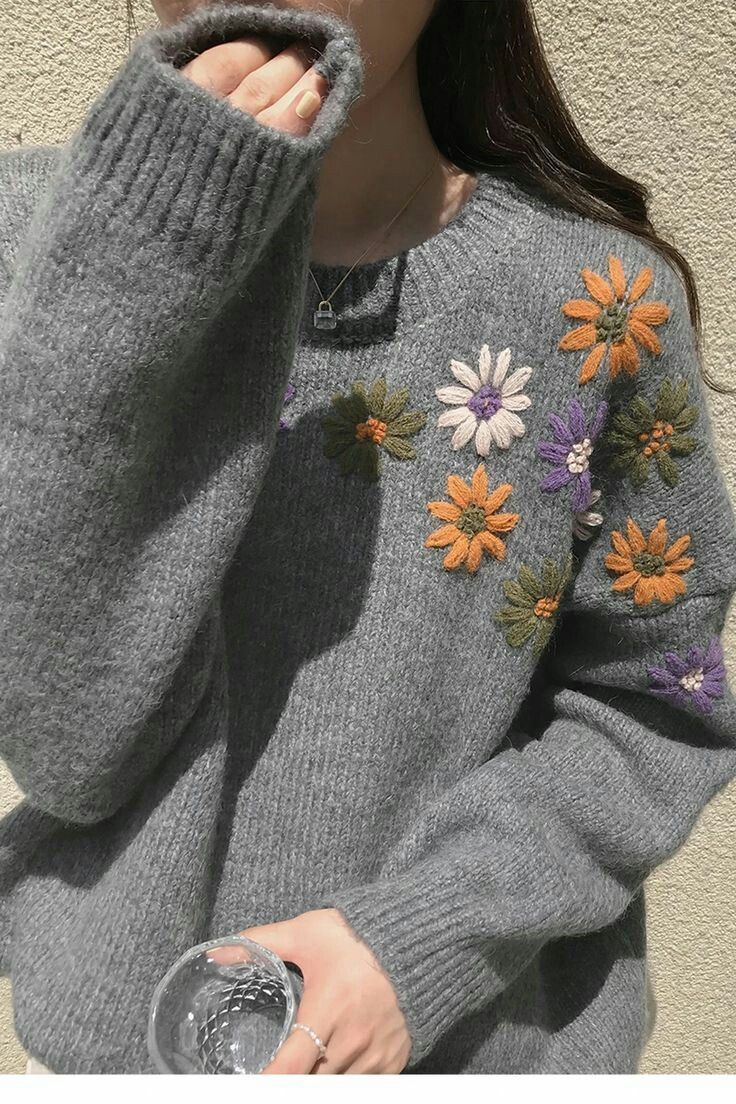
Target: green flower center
[(646, 563), (471, 521), (612, 322)]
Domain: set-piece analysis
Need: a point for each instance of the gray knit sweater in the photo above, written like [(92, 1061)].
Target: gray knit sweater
[(417, 618)]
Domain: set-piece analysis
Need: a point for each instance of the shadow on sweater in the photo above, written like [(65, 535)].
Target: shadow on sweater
[(295, 589)]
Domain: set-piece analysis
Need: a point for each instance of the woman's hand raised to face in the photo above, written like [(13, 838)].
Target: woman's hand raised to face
[(348, 999), (280, 89)]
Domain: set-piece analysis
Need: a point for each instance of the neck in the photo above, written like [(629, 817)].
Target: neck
[(371, 169)]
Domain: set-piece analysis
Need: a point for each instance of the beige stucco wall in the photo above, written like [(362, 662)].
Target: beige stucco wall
[(650, 86)]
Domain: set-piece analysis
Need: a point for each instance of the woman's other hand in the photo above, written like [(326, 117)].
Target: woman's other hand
[(348, 999), (281, 90)]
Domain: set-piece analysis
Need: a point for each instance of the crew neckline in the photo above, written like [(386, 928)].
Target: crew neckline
[(381, 297)]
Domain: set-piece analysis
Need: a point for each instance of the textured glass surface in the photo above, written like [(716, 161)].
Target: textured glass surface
[(225, 1007)]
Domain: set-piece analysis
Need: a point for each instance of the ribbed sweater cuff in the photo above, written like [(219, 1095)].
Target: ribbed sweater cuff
[(414, 935), (164, 160)]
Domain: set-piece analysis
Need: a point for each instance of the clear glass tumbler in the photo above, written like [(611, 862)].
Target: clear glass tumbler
[(224, 1007)]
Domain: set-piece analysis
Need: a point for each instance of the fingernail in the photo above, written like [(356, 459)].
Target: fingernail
[(307, 105)]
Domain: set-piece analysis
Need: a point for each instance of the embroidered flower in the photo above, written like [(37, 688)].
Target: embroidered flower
[(698, 678), (641, 435), (533, 604), (585, 522), (288, 396), (473, 521), (365, 423), (486, 404), (647, 566), (570, 452), (614, 321)]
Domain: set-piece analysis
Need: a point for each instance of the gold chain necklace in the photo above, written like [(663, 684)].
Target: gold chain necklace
[(324, 317)]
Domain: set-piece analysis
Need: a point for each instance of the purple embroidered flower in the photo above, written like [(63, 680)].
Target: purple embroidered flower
[(570, 452), (288, 396), (698, 678)]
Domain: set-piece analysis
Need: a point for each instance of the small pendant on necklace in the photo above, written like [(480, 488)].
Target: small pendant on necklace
[(324, 316)]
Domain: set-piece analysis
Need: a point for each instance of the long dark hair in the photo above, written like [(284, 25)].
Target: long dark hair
[(492, 103)]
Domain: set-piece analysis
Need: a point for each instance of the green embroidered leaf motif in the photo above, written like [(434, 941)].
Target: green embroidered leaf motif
[(550, 578), (642, 436), (369, 467), (352, 407), (530, 583), (535, 616), (641, 414), (349, 460), (512, 614), (686, 418), (668, 469), (336, 424), (682, 443), (668, 405), (377, 398), (407, 424), (395, 404), (365, 424), (621, 442), (625, 425), (516, 635), (677, 396), (399, 448), (360, 459), (334, 446), (639, 469), (672, 406), (544, 635), (621, 461), (680, 394), (515, 593)]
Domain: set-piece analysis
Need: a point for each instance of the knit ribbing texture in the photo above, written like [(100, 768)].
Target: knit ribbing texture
[(471, 700)]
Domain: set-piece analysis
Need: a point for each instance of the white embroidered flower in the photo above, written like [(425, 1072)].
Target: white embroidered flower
[(486, 405), (586, 521)]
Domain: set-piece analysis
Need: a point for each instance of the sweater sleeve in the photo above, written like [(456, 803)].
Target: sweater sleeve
[(608, 767), (174, 224)]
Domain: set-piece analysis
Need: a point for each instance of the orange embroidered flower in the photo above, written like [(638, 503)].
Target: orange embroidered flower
[(614, 321), (648, 566), (473, 521)]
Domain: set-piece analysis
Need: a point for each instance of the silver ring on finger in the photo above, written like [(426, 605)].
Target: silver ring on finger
[(313, 1036)]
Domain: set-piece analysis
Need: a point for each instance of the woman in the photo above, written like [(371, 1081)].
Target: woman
[(365, 553)]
